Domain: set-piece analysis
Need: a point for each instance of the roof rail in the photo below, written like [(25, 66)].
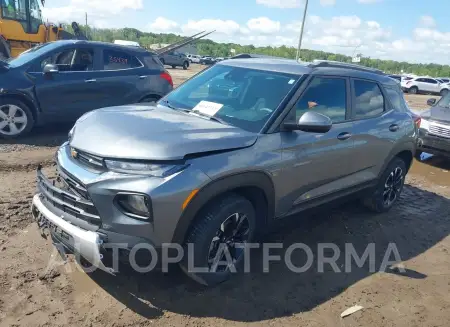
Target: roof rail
[(338, 64)]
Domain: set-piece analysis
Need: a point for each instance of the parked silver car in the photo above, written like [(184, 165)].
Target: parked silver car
[(233, 150)]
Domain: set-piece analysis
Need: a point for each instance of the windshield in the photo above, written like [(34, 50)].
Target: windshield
[(241, 97), (30, 54), (444, 101)]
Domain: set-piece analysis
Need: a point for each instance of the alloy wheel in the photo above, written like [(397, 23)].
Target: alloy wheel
[(13, 120), (393, 186), (233, 231)]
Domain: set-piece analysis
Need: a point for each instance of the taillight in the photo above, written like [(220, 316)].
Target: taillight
[(409, 82), (167, 77)]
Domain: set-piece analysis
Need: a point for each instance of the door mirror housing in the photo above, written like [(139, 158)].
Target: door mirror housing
[(310, 121), (51, 69), (431, 102)]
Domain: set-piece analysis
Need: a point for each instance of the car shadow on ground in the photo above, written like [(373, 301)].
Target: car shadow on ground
[(49, 135), (418, 222), (436, 161)]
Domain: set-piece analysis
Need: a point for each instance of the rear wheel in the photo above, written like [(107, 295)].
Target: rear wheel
[(413, 90), (185, 65), (219, 230), (16, 118), (389, 187), (173, 66)]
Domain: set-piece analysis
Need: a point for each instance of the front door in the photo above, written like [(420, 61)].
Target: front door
[(317, 165), (72, 91)]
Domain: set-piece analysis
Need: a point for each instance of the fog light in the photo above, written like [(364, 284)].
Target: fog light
[(134, 205)]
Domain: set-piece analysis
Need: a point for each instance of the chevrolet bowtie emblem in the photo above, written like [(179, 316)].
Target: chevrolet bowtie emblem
[(74, 153)]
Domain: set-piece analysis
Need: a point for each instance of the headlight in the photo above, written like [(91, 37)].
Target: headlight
[(139, 168), (424, 124), (71, 133)]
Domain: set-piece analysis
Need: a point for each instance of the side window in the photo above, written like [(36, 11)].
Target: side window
[(420, 80), (327, 96), (369, 100), (396, 98), (116, 60), (63, 59), (83, 60), (152, 62), (432, 81)]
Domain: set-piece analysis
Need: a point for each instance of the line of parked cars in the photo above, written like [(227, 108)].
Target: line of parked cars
[(425, 85), (204, 60)]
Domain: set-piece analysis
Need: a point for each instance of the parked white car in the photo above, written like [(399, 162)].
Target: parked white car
[(194, 58), (421, 85)]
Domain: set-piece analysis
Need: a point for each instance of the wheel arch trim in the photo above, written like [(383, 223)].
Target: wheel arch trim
[(220, 186)]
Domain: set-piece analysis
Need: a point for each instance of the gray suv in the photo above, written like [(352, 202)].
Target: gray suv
[(175, 59), (236, 148)]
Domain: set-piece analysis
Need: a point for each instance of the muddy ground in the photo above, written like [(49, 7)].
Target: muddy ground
[(32, 295)]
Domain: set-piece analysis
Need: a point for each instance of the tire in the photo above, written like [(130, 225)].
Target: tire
[(413, 90), (185, 65), (173, 66), (150, 100), (207, 234), (23, 119), (443, 92), (377, 200)]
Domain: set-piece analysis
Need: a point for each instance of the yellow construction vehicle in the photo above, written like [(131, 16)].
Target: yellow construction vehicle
[(22, 27)]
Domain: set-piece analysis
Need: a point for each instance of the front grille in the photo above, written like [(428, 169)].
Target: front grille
[(87, 159), (63, 195), (439, 130)]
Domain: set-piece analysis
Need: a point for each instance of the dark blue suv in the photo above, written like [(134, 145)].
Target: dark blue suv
[(60, 81)]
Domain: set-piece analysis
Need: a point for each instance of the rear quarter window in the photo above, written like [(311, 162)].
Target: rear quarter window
[(152, 62), (117, 60), (395, 96)]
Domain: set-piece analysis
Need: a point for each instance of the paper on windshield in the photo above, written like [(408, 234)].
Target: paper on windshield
[(207, 108)]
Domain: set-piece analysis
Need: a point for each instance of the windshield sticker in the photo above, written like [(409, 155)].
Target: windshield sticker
[(207, 108), (291, 81)]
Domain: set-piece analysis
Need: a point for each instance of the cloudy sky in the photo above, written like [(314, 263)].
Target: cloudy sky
[(387, 29)]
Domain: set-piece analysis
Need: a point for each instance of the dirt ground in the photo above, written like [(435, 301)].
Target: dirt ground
[(32, 295)]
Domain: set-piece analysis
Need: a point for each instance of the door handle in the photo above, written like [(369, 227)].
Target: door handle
[(344, 136), (143, 77), (90, 80), (394, 128)]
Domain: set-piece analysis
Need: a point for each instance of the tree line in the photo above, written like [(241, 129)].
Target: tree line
[(207, 47)]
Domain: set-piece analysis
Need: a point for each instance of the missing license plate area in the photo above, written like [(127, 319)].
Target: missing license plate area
[(47, 228)]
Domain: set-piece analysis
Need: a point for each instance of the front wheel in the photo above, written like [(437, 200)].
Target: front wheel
[(215, 242), (389, 187), (413, 90), (185, 65), (444, 92), (16, 118)]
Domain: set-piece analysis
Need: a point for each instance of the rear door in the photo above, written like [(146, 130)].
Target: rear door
[(71, 92), (318, 165), (434, 85), (120, 77), (376, 128)]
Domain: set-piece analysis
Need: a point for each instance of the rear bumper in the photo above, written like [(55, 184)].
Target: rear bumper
[(83, 242), (434, 144)]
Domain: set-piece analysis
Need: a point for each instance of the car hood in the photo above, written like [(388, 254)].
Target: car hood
[(153, 133), (437, 113)]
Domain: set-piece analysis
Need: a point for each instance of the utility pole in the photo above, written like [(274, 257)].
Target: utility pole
[(301, 31), (86, 25)]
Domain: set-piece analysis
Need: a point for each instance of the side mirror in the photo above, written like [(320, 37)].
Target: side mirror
[(51, 69), (310, 121), (431, 102)]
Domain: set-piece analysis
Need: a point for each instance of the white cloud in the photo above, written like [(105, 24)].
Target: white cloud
[(427, 21), (326, 3), (280, 3), (99, 12), (163, 25), (227, 27), (263, 25)]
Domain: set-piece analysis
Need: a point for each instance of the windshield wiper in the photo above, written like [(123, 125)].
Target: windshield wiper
[(169, 105), (216, 119)]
